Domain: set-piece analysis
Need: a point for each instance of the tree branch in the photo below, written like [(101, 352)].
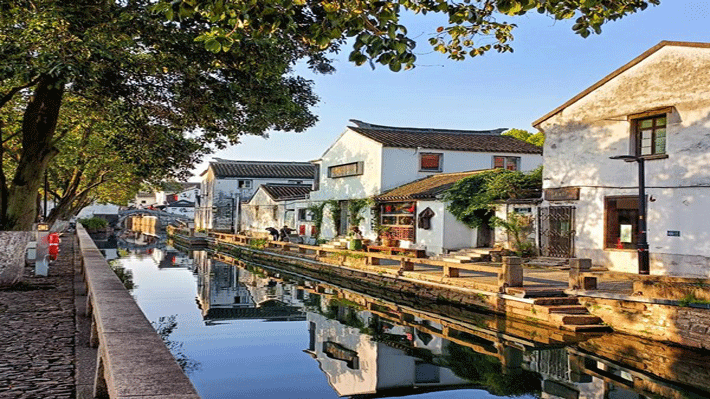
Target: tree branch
[(8, 96)]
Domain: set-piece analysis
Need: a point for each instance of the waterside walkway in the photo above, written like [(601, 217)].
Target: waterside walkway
[(37, 331), (78, 333)]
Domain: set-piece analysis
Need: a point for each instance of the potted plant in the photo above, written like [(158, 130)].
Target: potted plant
[(386, 236), (355, 239)]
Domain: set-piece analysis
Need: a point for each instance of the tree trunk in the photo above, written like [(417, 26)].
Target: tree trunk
[(38, 126)]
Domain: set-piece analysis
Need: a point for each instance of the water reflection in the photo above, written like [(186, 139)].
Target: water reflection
[(368, 346), (229, 292)]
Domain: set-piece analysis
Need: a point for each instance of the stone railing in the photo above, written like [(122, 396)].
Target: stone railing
[(132, 359)]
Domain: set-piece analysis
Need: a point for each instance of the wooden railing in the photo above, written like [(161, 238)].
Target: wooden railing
[(509, 273), (132, 359)]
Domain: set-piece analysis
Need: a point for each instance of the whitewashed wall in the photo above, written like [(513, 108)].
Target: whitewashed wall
[(580, 140), (350, 147), (401, 165)]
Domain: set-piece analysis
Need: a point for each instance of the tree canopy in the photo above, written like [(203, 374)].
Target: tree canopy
[(537, 139), (473, 196), (201, 73), (473, 28), (164, 95)]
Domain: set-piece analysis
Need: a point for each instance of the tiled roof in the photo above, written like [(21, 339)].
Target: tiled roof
[(443, 139), (287, 191), (263, 169), (427, 188)]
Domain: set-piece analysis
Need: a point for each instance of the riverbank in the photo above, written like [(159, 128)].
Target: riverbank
[(536, 295)]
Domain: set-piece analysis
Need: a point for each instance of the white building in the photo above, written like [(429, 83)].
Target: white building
[(273, 206), (368, 160), (227, 183), (657, 107), (356, 364)]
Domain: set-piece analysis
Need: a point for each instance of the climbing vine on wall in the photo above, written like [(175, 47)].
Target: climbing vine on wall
[(317, 211), (469, 198), (335, 213)]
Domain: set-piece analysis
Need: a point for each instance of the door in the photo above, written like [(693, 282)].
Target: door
[(484, 233), (556, 231)]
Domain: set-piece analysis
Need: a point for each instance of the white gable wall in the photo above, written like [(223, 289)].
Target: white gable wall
[(581, 138), (350, 147)]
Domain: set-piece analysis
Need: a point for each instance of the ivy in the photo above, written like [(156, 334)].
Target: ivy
[(335, 213), (317, 212), (470, 198)]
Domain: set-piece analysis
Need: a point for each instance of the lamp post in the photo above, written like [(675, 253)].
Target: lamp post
[(642, 244)]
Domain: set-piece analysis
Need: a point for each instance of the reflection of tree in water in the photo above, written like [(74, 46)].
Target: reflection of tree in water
[(487, 371), (164, 327), (125, 275)]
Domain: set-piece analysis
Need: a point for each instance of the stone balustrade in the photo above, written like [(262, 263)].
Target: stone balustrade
[(132, 359)]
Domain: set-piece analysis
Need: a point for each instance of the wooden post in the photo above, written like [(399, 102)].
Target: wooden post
[(371, 260), (406, 265), (577, 281), (511, 274), (451, 271)]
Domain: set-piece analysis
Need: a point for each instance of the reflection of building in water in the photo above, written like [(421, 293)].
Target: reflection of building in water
[(169, 257), (392, 358), (230, 292)]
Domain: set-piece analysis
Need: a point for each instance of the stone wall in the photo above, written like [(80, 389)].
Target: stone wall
[(12, 256), (686, 326)]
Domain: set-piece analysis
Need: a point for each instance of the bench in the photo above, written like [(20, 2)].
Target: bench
[(417, 253)]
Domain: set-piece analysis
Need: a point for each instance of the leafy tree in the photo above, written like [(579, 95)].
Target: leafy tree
[(134, 67), (128, 60), (537, 139), (322, 25), (470, 198)]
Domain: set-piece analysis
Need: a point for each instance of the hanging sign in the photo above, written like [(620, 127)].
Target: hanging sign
[(562, 194)]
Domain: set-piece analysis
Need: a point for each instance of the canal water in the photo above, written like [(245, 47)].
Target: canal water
[(245, 331)]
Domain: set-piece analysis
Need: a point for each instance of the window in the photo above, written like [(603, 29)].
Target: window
[(650, 135), (622, 215), (510, 163), (305, 215), (244, 184), (348, 169), (429, 162)]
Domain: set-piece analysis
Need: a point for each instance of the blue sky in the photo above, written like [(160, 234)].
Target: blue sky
[(549, 66)]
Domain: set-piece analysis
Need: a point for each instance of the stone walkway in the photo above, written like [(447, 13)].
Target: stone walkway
[(37, 332)]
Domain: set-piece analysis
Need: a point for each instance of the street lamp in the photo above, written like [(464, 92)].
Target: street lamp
[(642, 245)]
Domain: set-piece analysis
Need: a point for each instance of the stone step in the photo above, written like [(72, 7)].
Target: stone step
[(568, 309), (535, 292), (576, 319), (557, 301), (580, 328)]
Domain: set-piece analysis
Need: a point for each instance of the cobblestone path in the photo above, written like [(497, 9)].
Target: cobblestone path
[(37, 332)]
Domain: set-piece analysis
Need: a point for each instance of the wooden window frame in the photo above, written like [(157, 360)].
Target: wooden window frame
[(441, 161), (506, 158), (636, 119), (359, 169)]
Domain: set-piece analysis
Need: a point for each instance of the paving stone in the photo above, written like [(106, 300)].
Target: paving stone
[(37, 331)]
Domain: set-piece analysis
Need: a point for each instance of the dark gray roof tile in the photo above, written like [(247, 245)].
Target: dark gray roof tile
[(256, 169)]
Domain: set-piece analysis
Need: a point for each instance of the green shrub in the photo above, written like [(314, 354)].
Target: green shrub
[(93, 223)]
